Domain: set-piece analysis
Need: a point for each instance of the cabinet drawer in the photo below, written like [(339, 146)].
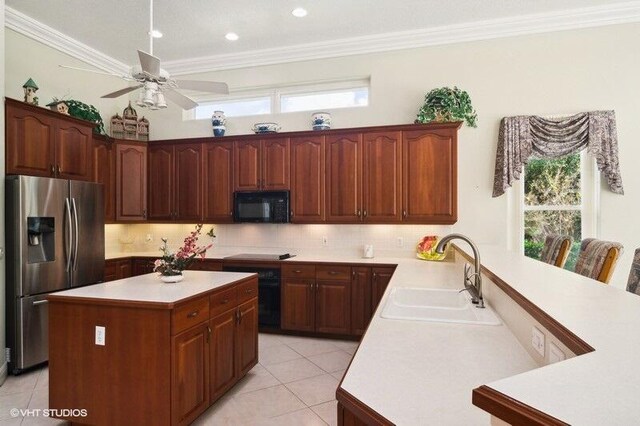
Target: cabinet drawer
[(247, 290), (299, 271), (339, 273), (190, 314), (223, 301)]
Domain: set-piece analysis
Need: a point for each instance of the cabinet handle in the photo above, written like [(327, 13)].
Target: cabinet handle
[(144, 213), (296, 271), (53, 170), (353, 274), (291, 213), (364, 213), (404, 213), (333, 273), (231, 213), (58, 170), (248, 291), (208, 334), (193, 314), (239, 317), (358, 213), (225, 301), (311, 286)]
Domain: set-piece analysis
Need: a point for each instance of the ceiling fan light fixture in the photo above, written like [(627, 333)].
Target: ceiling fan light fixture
[(140, 101), (231, 36), (155, 34), (160, 100), (299, 12)]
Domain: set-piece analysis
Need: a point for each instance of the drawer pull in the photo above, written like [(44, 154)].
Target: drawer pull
[(193, 314), (224, 302), (333, 273), (297, 271), (250, 290)]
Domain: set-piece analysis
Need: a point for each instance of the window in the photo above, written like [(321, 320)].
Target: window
[(558, 198), (284, 99)]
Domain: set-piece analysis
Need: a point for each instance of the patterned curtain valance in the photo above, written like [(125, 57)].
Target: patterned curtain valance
[(525, 136)]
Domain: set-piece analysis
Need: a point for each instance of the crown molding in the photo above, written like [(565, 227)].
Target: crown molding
[(44, 34), (587, 17), (482, 30)]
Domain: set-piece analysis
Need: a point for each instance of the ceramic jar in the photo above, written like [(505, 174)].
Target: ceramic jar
[(321, 120), (218, 121)]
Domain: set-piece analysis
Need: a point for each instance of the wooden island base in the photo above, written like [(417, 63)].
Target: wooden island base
[(162, 363)]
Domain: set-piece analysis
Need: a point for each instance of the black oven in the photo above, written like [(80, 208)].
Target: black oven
[(268, 294), (261, 207)]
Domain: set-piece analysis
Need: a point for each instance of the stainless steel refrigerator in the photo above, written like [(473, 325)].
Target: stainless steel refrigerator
[(55, 241)]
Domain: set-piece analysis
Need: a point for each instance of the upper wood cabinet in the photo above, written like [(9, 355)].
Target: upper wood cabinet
[(307, 179), (261, 165), (382, 177), (175, 179), (40, 142), (430, 176), (131, 181), (344, 177), (217, 184), (104, 172)]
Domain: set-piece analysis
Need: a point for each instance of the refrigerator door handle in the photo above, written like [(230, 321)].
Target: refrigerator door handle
[(69, 234), (40, 302), (75, 232)]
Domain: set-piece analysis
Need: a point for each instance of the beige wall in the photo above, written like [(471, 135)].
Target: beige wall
[(554, 73)]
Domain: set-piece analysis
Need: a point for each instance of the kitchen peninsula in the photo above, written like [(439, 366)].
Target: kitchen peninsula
[(138, 351)]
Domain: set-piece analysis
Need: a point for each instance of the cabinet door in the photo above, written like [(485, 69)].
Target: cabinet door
[(131, 182), (218, 182), (430, 176), (30, 147), (275, 164), (73, 151), (382, 177), (190, 374), (222, 361), (188, 182), (298, 304), (110, 270), (379, 282), (344, 178), (360, 299), (307, 179), (123, 269), (333, 307), (246, 157), (247, 337), (142, 266), (104, 172), (161, 180)]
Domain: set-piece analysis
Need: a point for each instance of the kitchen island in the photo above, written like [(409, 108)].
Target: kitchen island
[(138, 351)]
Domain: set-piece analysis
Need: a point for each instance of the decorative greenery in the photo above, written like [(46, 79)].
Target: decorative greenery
[(446, 104), (86, 112), (172, 264)]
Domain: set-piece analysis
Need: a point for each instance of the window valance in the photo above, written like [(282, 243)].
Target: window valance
[(525, 136)]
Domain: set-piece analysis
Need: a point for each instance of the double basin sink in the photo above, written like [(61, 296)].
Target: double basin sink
[(437, 305)]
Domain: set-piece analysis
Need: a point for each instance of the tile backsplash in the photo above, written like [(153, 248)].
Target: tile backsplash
[(386, 239)]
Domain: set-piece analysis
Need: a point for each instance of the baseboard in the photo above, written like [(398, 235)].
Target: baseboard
[(3, 373)]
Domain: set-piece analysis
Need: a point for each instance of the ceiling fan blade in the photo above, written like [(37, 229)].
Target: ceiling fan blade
[(149, 63), (122, 91), (204, 86), (180, 99)]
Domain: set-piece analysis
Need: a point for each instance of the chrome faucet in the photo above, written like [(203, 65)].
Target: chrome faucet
[(473, 287)]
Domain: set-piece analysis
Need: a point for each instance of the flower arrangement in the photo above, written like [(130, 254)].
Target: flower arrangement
[(172, 264)]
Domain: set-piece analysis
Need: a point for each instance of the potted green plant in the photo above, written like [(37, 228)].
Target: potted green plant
[(447, 104)]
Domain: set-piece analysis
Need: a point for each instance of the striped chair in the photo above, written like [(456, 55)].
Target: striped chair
[(556, 250), (633, 284), (597, 259)]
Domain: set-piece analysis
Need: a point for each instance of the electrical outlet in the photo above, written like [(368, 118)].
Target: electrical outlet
[(149, 238), (325, 241), (400, 242), (100, 335), (537, 340), (555, 353)]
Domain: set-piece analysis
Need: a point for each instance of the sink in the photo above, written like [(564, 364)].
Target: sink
[(437, 305)]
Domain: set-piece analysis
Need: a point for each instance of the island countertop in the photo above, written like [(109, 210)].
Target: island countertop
[(148, 289)]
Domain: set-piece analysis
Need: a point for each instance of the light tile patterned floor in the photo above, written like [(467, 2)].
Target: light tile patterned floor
[(293, 384)]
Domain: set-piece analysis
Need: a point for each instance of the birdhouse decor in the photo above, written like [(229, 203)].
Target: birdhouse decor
[(129, 126), (30, 89), (59, 106)]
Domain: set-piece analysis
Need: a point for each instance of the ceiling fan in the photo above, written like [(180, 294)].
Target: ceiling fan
[(156, 83)]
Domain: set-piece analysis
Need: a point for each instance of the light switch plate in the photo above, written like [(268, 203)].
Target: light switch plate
[(537, 340), (100, 335), (555, 353)]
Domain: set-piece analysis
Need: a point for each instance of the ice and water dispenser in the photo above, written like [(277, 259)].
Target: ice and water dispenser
[(41, 245)]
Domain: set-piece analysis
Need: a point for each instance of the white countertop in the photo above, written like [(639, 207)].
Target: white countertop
[(149, 289)]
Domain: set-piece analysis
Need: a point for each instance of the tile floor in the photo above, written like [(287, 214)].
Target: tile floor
[(294, 383)]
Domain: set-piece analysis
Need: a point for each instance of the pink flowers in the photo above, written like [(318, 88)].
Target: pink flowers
[(174, 264)]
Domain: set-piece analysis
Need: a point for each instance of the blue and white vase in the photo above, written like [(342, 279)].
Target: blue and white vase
[(321, 120), (218, 121)]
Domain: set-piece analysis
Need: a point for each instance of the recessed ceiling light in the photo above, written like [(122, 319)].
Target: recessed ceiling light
[(231, 36), (299, 12), (156, 34)]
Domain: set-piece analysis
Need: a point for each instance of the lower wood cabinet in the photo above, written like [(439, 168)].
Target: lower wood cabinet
[(380, 278), (298, 303), (247, 336), (117, 269), (222, 348), (367, 288), (333, 307), (142, 265)]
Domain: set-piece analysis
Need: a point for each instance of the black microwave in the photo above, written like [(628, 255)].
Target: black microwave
[(261, 207)]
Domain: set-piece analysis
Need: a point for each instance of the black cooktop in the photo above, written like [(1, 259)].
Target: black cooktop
[(259, 256)]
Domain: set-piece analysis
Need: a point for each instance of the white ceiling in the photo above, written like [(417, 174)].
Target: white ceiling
[(196, 28)]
